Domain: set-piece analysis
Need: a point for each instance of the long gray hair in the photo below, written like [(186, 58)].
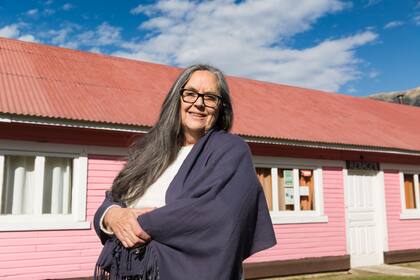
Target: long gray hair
[(151, 154)]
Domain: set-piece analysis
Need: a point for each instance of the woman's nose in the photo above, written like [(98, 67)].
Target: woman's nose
[(200, 101)]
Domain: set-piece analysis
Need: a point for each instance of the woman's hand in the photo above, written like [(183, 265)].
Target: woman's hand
[(123, 222)]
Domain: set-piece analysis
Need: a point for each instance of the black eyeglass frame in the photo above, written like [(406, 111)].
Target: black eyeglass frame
[(202, 95)]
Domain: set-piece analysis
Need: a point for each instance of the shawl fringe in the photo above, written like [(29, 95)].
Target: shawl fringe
[(119, 263)]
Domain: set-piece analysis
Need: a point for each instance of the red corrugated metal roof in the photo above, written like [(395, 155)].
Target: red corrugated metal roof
[(45, 81)]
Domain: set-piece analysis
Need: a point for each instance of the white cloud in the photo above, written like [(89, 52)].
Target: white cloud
[(73, 36), (9, 31), (249, 39), (138, 10), (62, 36), (13, 31), (105, 34), (32, 12), (417, 20), (48, 12), (373, 74), (27, 38), (393, 24), (372, 3), (67, 7), (95, 50)]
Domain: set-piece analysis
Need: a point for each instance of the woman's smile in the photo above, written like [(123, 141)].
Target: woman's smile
[(197, 115)]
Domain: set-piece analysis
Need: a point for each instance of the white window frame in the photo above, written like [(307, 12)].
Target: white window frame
[(407, 214), (297, 216), (39, 221), (410, 213)]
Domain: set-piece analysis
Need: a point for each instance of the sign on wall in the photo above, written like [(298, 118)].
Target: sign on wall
[(362, 165)]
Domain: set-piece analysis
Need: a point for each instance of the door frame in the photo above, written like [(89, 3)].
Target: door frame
[(380, 213)]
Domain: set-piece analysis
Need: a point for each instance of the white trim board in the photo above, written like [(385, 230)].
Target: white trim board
[(18, 145), (9, 118)]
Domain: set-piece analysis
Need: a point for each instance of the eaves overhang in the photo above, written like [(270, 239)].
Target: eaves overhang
[(25, 119), (9, 118), (328, 146)]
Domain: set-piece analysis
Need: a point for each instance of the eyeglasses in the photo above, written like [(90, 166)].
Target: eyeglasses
[(191, 96)]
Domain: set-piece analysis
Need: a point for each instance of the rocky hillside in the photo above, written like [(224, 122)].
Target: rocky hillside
[(408, 97)]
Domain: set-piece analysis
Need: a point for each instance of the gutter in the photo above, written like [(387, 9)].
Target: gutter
[(72, 123), (329, 146), (8, 118)]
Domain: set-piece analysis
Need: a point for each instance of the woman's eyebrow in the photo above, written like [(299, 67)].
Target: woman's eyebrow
[(195, 90), (191, 88)]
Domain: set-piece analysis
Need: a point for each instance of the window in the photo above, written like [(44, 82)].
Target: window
[(293, 193), (409, 189), (42, 190), (410, 195)]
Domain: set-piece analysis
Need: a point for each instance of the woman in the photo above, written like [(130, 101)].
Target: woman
[(211, 211)]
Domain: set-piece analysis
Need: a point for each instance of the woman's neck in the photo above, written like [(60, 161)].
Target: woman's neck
[(191, 138)]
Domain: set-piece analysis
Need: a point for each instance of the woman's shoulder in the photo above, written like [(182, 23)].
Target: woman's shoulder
[(230, 141)]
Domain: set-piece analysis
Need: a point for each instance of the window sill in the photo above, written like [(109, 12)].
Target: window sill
[(415, 215), (298, 219), (39, 225)]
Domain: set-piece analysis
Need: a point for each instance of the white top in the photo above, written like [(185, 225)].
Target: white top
[(155, 194)]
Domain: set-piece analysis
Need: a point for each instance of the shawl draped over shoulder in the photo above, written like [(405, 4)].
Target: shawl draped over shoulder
[(215, 216)]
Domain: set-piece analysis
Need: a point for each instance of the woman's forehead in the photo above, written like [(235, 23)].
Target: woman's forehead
[(202, 79)]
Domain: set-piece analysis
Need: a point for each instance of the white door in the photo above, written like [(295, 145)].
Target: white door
[(364, 236)]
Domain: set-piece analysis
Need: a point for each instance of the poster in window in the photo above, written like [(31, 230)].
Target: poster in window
[(288, 194), (306, 173), (304, 191), (288, 178)]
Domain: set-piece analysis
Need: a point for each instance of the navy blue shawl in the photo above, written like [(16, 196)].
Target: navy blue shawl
[(215, 217)]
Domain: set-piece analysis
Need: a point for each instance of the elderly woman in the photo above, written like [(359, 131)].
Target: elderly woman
[(188, 204)]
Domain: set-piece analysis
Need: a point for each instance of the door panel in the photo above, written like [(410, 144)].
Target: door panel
[(362, 218)]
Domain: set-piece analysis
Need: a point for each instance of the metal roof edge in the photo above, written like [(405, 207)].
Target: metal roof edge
[(333, 146), (9, 118)]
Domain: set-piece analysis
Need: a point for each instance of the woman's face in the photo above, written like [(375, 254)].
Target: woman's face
[(196, 118)]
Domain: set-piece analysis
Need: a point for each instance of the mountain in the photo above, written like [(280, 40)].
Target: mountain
[(408, 97)]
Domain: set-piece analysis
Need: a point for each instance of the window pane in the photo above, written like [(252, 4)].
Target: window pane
[(18, 185), (306, 189), (286, 193), (264, 175), (57, 186), (410, 201)]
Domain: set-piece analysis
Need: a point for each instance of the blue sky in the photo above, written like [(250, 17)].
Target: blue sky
[(354, 47)]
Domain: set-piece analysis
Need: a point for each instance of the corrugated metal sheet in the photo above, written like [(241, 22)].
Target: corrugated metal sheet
[(45, 81)]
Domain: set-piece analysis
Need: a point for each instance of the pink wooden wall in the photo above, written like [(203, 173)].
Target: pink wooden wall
[(295, 241), (59, 253), (72, 253), (402, 234)]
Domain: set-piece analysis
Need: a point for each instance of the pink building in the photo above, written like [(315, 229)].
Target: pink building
[(340, 173)]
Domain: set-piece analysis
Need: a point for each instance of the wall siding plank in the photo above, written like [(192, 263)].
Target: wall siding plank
[(402, 234), (296, 241)]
